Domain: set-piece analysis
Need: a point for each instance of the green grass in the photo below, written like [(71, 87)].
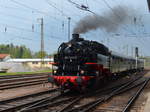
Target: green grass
[(20, 73)]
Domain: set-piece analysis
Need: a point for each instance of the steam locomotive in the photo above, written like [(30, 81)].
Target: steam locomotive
[(80, 64)]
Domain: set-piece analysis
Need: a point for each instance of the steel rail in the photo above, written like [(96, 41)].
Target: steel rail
[(117, 91), (46, 105), (21, 79), (21, 75), (23, 84), (41, 102), (92, 104), (30, 95), (74, 100), (70, 104), (22, 98), (100, 91), (134, 97)]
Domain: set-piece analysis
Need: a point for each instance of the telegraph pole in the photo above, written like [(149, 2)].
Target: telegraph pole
[(136, 56), (42, 42), (127, 49), (69, 18), (132, 51)]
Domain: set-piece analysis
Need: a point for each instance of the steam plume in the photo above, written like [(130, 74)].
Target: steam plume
[(110, 21)]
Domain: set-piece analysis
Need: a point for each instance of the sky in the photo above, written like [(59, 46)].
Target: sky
[(20, 24)]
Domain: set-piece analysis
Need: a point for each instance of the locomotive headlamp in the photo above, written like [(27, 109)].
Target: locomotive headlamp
[(82, 71), (69, 45), (55, 71)]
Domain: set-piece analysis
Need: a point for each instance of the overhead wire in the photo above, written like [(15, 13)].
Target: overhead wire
[(127, 15), (24, 37), (87, 3), (21, 18), (52, 5), (34, 9), (27, 30), (92, 33), (17, 17), (141, 41), (31, 8), (142, 24), (59, 10), (26, 6), (115, 23), (23, 29), (14, 8), (125, 27), (107, 4)]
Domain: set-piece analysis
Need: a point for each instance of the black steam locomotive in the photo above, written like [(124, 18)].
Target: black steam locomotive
[(81, 64)]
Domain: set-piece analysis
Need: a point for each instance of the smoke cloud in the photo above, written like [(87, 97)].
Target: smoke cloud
[(110, 21)]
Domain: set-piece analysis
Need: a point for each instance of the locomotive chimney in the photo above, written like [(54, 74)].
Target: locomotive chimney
[(75, 35)]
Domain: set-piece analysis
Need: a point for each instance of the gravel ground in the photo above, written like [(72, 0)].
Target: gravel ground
[(147, 106), (147, 94)]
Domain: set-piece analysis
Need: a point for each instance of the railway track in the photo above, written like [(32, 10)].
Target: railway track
[(7, 82), (21, 75), (125, 102), (86, 102), (54, 101), (134, 97), (90, 103), (12, 105)]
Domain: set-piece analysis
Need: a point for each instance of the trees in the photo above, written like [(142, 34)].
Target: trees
[(38, 54), (21, 51), (16, 51)]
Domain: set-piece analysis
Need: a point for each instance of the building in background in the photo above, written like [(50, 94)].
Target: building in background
[(4, 57), (34, 63)]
